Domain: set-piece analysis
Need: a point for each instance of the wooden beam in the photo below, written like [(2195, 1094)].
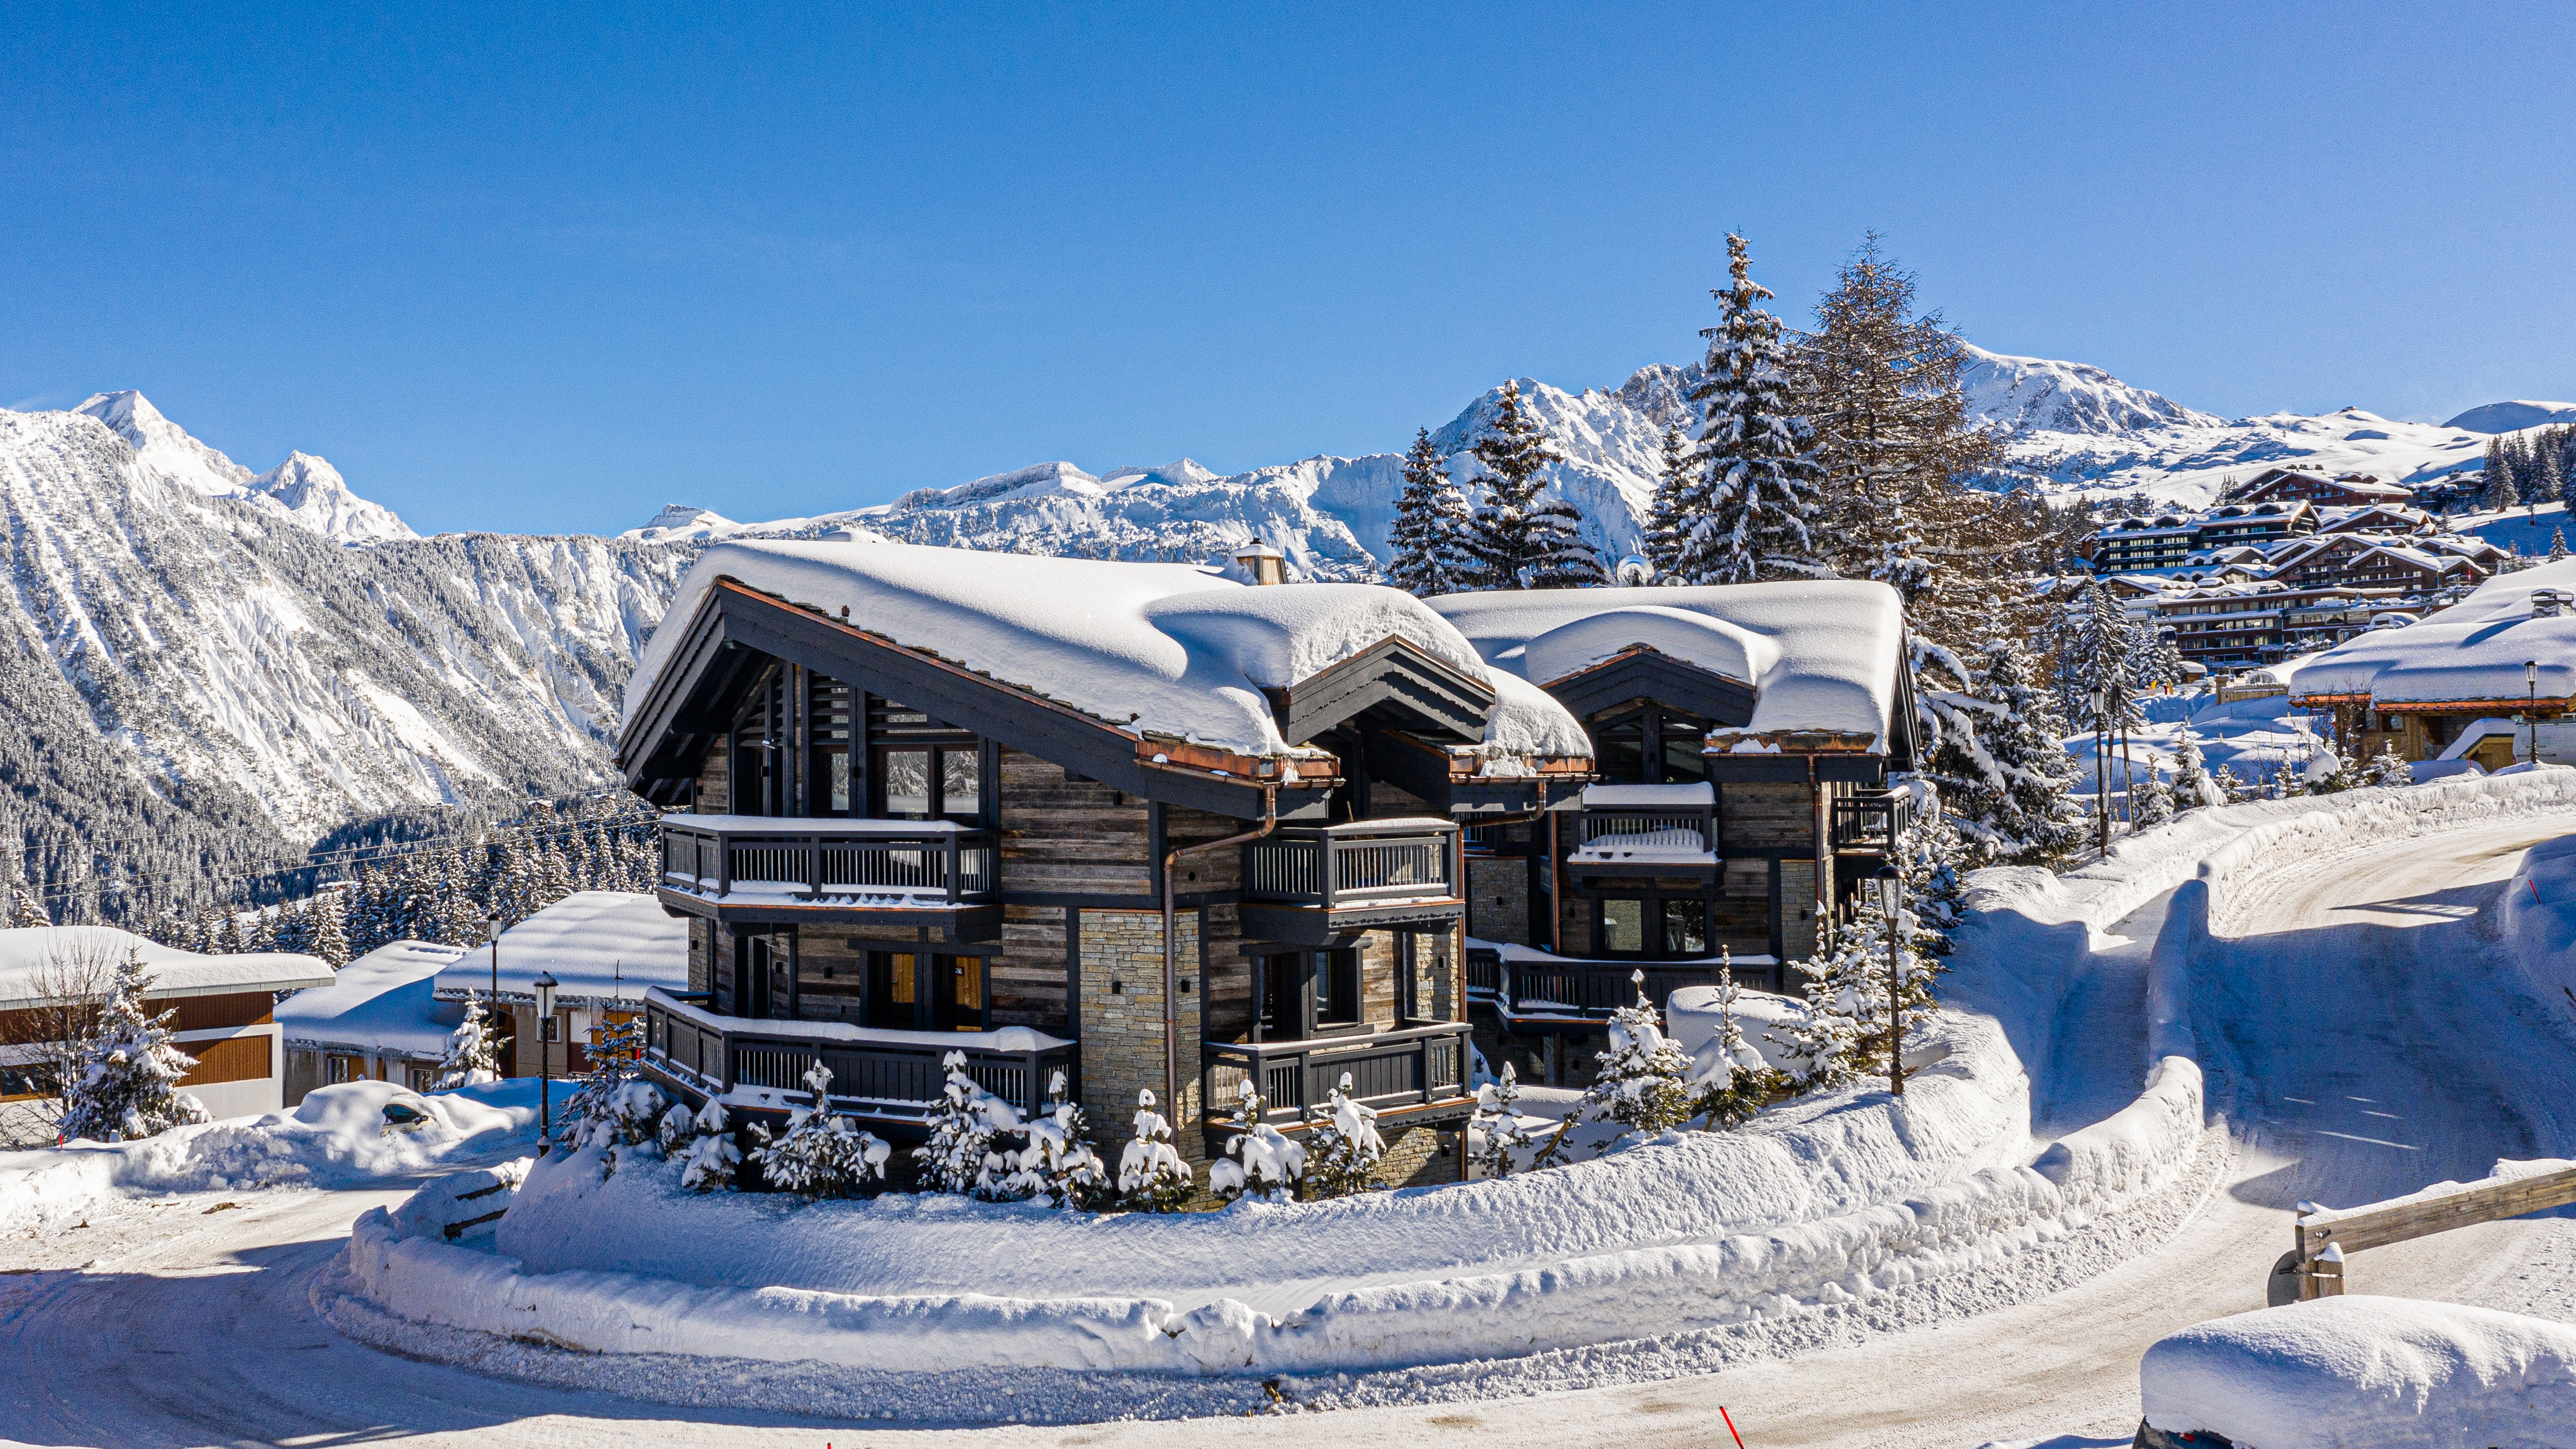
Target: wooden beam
[(2458, 1205)]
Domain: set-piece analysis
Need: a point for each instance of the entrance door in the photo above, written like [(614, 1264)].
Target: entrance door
[(894, 990)]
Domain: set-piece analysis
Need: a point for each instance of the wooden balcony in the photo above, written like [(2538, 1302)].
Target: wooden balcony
[(1317, 885), (1413, 1075), (1540, 994), (1867, 822), (751, 869), (889, 1079), (1662, 830)]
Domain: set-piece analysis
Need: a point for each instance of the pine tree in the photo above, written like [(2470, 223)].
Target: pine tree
[(2000, 761), (2151, 801), (232, 942), (1638, 1083), (2557, 544), (1521, 539), (126, 1082), (473, 1055), (1260, 1162), (327, 936), (1729, 1081), (964, 1153), (1496, 1128), (1056, 1166), (2388, 768), (822, 1154), (699, 1142), (2230, 784), (25, 911), (1343, 1148), (1844, 1037), (2500, 492), (2193, 785), (1668, 524), (2547, 486), (1431, 523), (1741, 509), (1152, 1176)]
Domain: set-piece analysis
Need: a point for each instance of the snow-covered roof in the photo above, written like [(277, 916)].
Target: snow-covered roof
[(27, 955), (2472, 651), (1821, 655), (382, 1001), (596, 944), (1169, 650)]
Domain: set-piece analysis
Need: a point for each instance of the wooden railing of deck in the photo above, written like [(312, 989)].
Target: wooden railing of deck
[(1412, 1066)]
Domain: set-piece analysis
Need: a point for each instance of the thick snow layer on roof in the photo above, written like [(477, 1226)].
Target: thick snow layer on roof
[(596, 944), (1164, 649), (1821, 655), (380, 1002), (2358, 1372), (2473, 650), (27, 956), (1649, 797)]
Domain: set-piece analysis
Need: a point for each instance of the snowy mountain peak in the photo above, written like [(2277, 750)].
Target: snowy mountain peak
[(303, 489), (164, 446), (682, 521), (313, 493), (2034, 394), (2513, 417), (1186, 472)]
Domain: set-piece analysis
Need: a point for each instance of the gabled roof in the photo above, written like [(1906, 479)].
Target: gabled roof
[(2471, 653), (29, 956)]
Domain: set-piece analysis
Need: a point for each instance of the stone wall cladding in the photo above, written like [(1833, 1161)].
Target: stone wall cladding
[(1122, 1029), (1498, 898), (1413, 1159)]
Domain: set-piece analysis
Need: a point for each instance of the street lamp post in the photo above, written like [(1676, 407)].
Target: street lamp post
[(1891, 889), (2101, 775), (492, 1026), (545, 984), (2531, 704)]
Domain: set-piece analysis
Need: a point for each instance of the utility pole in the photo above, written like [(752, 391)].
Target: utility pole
[(2531, 705), (2101, 776)]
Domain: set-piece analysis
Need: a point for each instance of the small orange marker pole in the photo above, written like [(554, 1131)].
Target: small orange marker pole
[(1730, 1425)]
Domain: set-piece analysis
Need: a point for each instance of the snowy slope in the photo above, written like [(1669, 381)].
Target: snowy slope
[(2033, 394), (2512, 417)]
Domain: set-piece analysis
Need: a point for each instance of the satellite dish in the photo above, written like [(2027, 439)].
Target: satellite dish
[(1634, 572)]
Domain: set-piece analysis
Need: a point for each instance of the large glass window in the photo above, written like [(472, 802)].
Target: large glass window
[(906, 774), (1651, 747), (1685, 927), (1653, 927), (1623, 925)]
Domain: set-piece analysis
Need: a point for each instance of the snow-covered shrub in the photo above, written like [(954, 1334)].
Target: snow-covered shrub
[(1729, 1081), (967, 1138), (700, 1144), (613, 1106), (1845, 1036), (1056, 1167), (1259, 1161), (2193, 785), (822, 1154), (1342, 1148), (473, 1056), (127, 1080), (1495, 1132), (1152, 1177), (2388, 768), (2151, 802), (1638, 1083), (2229, 784)]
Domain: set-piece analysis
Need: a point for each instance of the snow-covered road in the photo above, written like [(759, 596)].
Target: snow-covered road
[(2358, 1032)]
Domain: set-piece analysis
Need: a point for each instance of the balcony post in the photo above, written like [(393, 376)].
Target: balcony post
[(813, 866), (952, 867), (1332, 850), (724, 871)]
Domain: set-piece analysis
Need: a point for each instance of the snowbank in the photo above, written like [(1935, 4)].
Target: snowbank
[(2538, 919), (2361, 1372), (335, 1137)]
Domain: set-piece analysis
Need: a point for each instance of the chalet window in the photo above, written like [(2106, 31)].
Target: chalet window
[(828, 738), (1311, 993), (336, 1070), (1652, 926), (924, 769), (1651, 747), (915, 991)]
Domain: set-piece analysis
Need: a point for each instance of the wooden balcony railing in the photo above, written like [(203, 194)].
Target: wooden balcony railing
[(722, 854), (1418, 1065), (1365, 862), (887, 1076), (1868, 822), (1588, 991)]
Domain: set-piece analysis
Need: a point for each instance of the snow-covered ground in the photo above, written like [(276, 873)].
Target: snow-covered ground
[(2363, 1033)]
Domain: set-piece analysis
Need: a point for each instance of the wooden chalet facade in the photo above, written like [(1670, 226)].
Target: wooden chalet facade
[(886, 851)]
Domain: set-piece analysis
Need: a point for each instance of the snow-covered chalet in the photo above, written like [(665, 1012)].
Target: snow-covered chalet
[(1162, 829)]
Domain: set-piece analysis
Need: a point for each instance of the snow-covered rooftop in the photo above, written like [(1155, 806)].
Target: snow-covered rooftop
[(2471, 651), (596, 944), (1820, 655), (29, 956), (1170, 650), (380, 1002)]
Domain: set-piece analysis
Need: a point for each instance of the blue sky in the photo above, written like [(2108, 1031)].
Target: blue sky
[(549, 267)]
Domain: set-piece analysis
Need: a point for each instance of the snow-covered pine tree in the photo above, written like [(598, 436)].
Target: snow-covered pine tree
[(967, 1137), (2193, 785), (1056, 1166), (125, 1081), (1519, 538), (2231, 785), (1844, 1037), (1740, 510), (1152, 1175), (2388, 768), (2557, 544), (1638, 1083), (822, 1154), (328, 935), (1667, 520), (232, 942), (1431, 522), (2547, 486), (2000, 760), (1342, 1148), (699, 1142), (2151, 801), (603, 1111), (1260, 1162), (2500, 492), (1729, 1082), (25, 911), (473, 1054), (1496, 1130), (1932, 857)]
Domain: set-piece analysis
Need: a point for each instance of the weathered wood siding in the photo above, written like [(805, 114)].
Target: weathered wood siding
[(1766, 816)]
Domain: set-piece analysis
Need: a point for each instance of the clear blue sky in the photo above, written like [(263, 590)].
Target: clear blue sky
[(546, 267)]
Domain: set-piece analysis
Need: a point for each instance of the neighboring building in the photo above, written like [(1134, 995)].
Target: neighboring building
[(223, 1007), (378, 1021), (930, 800), (604, 949), (2344, 490), (2419, 688)]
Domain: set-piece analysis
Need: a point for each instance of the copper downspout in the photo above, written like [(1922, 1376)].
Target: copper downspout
[(1171, 946)]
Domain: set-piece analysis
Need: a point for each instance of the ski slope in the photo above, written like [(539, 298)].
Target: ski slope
[(2361, 1034)]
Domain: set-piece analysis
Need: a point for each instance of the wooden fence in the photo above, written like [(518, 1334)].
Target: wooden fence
[(2316, 1273)]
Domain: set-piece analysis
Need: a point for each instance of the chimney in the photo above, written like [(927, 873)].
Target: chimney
[(2550, 603), (1267, 565)]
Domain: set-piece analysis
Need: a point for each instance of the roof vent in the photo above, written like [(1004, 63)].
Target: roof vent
[(1267, 565)]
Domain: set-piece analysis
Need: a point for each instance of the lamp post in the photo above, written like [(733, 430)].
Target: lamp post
[(2101, 775), (545, 984), (1891, 893), (2531, 704), (492, 933)]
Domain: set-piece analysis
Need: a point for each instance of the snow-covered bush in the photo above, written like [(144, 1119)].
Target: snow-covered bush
[(1495, 1132), (1056, 1166), (2193, 785), (1729, 1081), (700, 1144), (127, 1080), (2228, 784), (613, 1106), (1259, 1161), (1638, 1083), (967, 1138), (1342, 1148), (2388, 768), (1848, 991), (473, 1056), (2151, 802), (1152, 1177), (822, 1154)]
